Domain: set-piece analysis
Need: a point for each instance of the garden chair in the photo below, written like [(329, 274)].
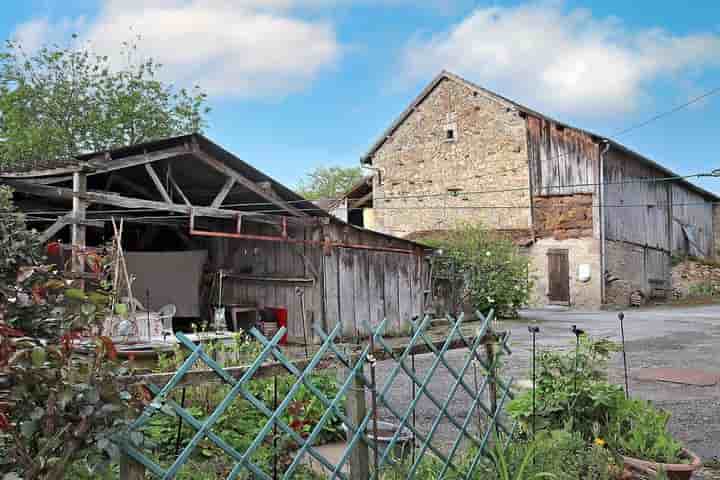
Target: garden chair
[(166, 315)]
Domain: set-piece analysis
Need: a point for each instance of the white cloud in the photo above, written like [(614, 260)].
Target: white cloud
[(564, 61), (244, 48)]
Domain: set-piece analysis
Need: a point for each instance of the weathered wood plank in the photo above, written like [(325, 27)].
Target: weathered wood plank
[(362, 291), (249, 184), (376, 268), (332, 288), (158, 184), (55, 228), (78, 232), (392, 307), (223, 193), (116, 200), (179, 191), (270, 369), (404, 292), (346, 265)]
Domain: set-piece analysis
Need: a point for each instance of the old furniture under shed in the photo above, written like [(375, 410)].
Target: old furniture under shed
[(274, 248)]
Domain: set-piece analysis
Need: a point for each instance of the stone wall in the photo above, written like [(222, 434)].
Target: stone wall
[(584, 295), (419, 165), (563, 216)]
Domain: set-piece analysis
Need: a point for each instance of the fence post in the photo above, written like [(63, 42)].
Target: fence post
[(131, 469), (359, 461)]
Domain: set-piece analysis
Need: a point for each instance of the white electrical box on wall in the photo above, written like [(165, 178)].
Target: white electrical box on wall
[(583, 272)]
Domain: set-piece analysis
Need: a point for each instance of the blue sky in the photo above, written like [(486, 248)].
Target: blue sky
[(296, 84)]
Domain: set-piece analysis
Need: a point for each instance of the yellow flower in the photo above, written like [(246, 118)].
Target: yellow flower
[(599, 442)]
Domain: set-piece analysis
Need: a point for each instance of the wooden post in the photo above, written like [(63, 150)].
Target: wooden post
[(359, 461), (130, 469), (78, 227)]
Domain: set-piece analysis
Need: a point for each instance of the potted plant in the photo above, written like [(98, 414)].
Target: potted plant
[(639, 433)]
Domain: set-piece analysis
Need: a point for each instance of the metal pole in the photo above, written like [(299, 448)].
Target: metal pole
[(621, 317), (147, 309), (275, 402), (180, 423), (533, 330), (371, 359), (577, 332), (301, 294), (414, 391)]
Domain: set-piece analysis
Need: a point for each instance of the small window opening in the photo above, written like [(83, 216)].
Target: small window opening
[(450, 134)]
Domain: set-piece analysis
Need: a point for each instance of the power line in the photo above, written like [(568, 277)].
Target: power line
[(666, 113), (439, 207), (450, 195)]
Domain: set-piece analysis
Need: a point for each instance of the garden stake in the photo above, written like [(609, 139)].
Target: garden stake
[(621, 317), (578, 332), (301, 295), (412, 366), (371, 359), (534, 330), (275, 405), (147, 309), (180, 424)]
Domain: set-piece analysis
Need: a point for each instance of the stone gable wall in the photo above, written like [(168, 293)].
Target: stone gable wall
[(419, 165)]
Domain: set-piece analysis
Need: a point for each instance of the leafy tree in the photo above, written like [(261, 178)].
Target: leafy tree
[(62, 101), (329, 182), (490, 270)]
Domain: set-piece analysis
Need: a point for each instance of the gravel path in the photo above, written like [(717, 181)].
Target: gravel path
[(662, 337)]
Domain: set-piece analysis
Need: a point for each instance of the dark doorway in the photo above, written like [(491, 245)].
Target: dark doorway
[(558, 276)]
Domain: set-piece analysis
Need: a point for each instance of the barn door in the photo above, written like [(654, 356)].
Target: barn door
[(558, 276)]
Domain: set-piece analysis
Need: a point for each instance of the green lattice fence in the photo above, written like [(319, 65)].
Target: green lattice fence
[(361, 456)]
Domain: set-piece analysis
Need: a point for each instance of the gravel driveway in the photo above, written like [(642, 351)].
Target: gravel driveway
[(687, 337)]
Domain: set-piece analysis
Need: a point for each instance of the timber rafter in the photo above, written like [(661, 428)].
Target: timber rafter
[(115, 200)]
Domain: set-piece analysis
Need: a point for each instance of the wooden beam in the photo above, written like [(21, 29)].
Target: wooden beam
[(222, 194), (132, 186), (98, 164), (357, 202), (249, 184), (78, 232), (179, 191), (86, 222), (102, 164), (158, 184), (116, 200), (53, 229)]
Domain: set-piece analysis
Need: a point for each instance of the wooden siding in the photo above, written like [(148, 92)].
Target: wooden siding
[(636, 208), (690, 208), (372, 285), (350, 286), (562, 160), (644, 212)]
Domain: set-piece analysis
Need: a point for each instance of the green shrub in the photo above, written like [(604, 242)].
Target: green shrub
[(241, 423), (566, 398), (640, 430), (494, 272), (704, 289)]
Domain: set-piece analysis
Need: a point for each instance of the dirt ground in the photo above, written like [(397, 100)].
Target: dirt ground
[(680, 337)]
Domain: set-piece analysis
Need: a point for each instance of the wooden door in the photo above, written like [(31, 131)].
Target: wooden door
[(558, 276)]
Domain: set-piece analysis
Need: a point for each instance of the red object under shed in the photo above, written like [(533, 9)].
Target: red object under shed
[(281, 317)]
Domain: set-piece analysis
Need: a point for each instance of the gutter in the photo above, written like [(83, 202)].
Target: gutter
[(601, 214)]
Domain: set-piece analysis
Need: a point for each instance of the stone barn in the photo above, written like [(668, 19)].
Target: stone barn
[(600, 221)]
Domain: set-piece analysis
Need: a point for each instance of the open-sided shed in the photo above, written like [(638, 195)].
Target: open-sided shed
[(274, 248)]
